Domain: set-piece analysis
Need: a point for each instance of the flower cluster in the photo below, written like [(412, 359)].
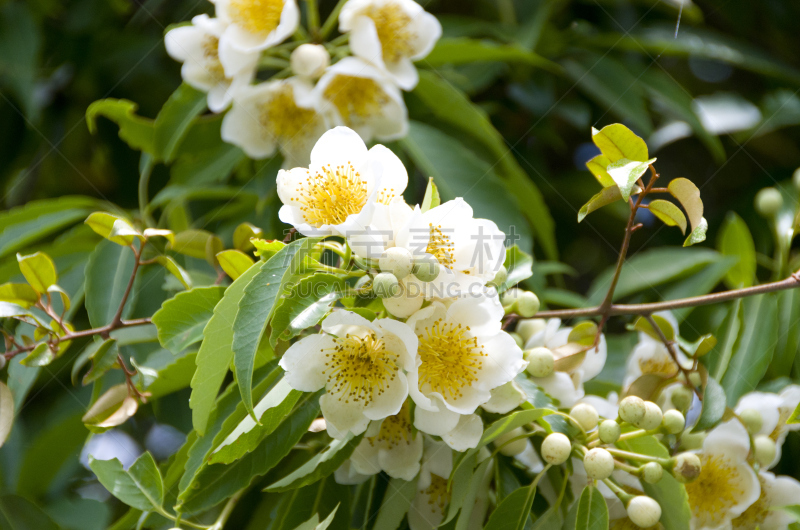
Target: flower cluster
[(314, 85)]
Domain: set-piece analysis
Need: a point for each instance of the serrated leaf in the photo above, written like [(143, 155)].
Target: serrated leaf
[(39, 271), (113, 227), (597, 166), (199, 244), (103, 358), (134, 130), (604, 197), (243, 234), (318, 466), (668, 213), (176, 270), (689, 196), (626, 172), (431, 199), (592, 510), (6, 412), (617, 142), (141, 486), (714, 404), (107, 274), (181, 319), (20, 294), (234, 262), (305, 306), (735, 240), (519, 266)]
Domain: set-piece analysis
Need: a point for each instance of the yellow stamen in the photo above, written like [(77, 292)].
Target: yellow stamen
[(451, 358), (437, 492), (331, 195), (716, 490), (395, 429), (211, 58), (359, 369), (393, 26), (256, 16), (356, 98), (661, 365), (285, 121), (441, 246), (756, 514)]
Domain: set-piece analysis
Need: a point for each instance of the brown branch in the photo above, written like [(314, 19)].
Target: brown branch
[(670, 345), (118, 315)]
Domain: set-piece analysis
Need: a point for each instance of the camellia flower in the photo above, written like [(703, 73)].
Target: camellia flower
[(469, 251), (775, 492), (275, 114), (427, 508), (727, 485), (464, 354), (390, 34), (362, 366), (358, 95), (198, 47), (774, 409), (255, 25), (338, 192)]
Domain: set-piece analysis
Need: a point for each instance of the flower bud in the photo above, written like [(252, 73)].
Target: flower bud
[(681, 398), (652, 417), (599, 464), (752, 420), (768, 202), (796, 178), (687, 467), (632, 409), (585, 415), (385, 285), (398, 261), (310, 60), (673, 422), (528, 327), (510, 296), (541, 362), (527, 304), (696, 379), (556, 448), (499, 278), (426, 267), (764, 449), (516, 338), (692, 440), (643, 511), (362, 282), (512, 448), (652, 472), (609, 431)]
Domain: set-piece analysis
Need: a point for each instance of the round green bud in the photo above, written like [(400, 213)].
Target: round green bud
[(510, 296), (652, 417), (643, 511), (512, 448), (599, 464), (398, 261), (499, 278), (768, 202), (556, 448), (765, 450), (516, 338), (527, 304), (695, 379), (687, 467), (796, 178), (632, 409), (541, 361), (652, 472), (692, 440), (528, 327), (362, 282), (681, 398), (426, 267), (752, 420), (673, 422), (609, 431), (385, 285), (586, 416)]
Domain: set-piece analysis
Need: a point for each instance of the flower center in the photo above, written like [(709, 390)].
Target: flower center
[(359, 368), (211, 58), (437, 493), (256, 16), (395, 429), (657, 365), (332, 194), (451, 358), (356, 98), (284, 120), (756, 514), (393, 27), (441, 246), (716, 490)]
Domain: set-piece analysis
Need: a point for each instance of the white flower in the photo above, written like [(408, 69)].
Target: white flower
[(254, 25), (505, 398), (727, 485), (358, 95), (393, 447), (361, 365), (650, 356), (338, 192), (775, 492), (469, 251), (775, 409), (310, 60), (464, 354), (198, 48), (427, 508), (276, 114), (388, 221), (390, 34), (566, 387)]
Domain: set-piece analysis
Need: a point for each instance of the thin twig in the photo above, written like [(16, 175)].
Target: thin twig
[(672, 353)]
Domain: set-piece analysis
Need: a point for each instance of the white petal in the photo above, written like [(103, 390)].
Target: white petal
[(342, 417), (394, 177), (347, 475), (780, 491), (729, 438), (467, 433), (390, 401), (435, 423), (364, 42), (402, 461), (338, 146), (404, 73), (530, 459), (437, 458), (766, 404), (342, 322), (505, 398), (365, 458), (482, 314), (236, 61), (424, 514), (429, 30), (408, 301), (400, 339), (304, 363), (595, 360), (560, 386)]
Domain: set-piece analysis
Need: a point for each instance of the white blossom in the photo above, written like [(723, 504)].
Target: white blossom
[(310, 60), (254, 25), (775, 409), (428, 506), (775, 492)]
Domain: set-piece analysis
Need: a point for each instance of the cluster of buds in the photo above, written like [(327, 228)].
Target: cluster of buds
[(395, 264)]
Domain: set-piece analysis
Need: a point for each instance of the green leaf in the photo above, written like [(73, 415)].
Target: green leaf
[(39, 271), (243, 234), (18, 513), (604, 197), (172, 373), (234, 262), (174, 119), (113, 227), (642, 324), (735, 240), (113, 408), (514, 511), (42, 355), (717, 361), (103, 359), (788, 340), (753, 352), (617, 142), (141, 486), (689, 196), (626, 172), (107, 274), (668, 213), (6, 412), (215, 353), (431, 199), (199, 244), (314, 524), (597, 166), (305, 306), (318, 466), (473, 488), (134, 130), (714, 404), (395, 504), (181, 320), (455, 51), (176, 270), (20, 294), (592, 510), (271, 410), (519, 266), (795, 416), (257, 306)]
